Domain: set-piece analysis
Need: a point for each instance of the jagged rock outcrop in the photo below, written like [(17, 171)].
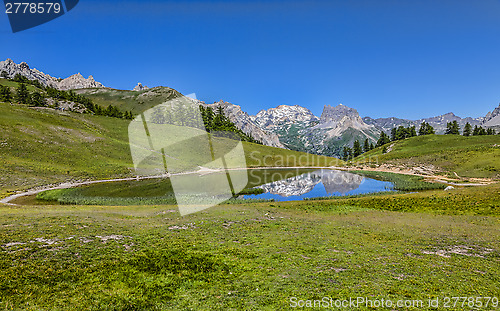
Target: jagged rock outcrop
[(140, 87), (243, 121), (337, 120), (11, 68), (76, 81), (492, 118)]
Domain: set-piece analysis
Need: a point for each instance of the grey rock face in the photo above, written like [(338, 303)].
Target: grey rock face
[(76, 81), (243, 121), (336, 113), (492, 118), (140, 87)]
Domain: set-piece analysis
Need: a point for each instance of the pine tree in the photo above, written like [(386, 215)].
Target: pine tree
[(452, 128), (357, 149), (5, 94), (366, 146), (4, 74), (384, 150), (22, 94), (394, 133), (479, 130), (490, 131), (467, 129), (345, 154), (384, 139), (425, 129), (413, 131), (36, 99), (372, 146)]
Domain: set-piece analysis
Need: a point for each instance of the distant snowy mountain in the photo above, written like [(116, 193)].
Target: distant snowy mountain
[(299, 129), (439, 123)]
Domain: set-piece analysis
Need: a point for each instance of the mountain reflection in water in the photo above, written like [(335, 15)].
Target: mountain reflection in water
[(320, 183)]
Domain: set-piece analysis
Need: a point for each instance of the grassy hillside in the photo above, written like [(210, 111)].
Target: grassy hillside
[(475, 156), (135, 101), (40, 146)]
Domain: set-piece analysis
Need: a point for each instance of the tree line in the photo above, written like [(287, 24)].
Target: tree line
[(401, 132), (453, 128), (349, 153), (39, 98), (197, 116)]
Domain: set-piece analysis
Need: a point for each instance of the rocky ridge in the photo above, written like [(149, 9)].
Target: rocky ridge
[(492, 118), (76, 81)]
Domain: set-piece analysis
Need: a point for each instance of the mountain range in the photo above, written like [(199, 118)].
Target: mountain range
[(291, 127)]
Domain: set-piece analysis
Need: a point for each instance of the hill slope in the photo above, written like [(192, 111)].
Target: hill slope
[(475, 156)]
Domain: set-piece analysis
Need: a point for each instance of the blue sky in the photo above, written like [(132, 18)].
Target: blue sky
[(409, 59)]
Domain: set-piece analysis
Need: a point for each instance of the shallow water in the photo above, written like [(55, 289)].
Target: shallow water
[(320, 183)]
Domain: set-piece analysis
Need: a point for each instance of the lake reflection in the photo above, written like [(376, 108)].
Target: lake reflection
[(320, 183)]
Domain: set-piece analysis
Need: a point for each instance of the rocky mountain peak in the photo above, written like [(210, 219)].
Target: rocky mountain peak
[(23, 65), (493, 118), (77, 81), (337, 113), (283, 114), (140, 87)]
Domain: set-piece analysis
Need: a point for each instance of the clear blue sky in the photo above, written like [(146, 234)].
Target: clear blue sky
[(408, 59)]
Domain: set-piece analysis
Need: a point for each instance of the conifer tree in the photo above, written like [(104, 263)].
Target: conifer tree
[(22, 94), (5, 94), (357, 151), (366, 146), (467, 129)]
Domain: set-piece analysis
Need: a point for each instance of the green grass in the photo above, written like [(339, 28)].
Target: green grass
[(250, 256), (472, 156), (13, 85), (135, 101), (402, 182)]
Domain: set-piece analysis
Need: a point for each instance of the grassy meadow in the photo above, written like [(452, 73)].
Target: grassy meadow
[(252, 256), (474, 156)]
